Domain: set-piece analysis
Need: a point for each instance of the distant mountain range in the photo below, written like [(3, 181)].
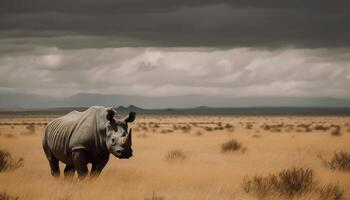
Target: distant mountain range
[(29, 104), (13, 101)]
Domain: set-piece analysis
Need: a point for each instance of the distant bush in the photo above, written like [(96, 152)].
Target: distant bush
[(7, 162), (276, 130), (256, 136), (5, 196), (321, 128), (290, 182), (231, 146), (336, 131), (339, 161), (186, 128), (228, 126), (249, 126), (175, 127), (219, 128), (198, 133), (164, 131), (31, 127), (9, 135), (153, 125), (207, 128), (175, 155)]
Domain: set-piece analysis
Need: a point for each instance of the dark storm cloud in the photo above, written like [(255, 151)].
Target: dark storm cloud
[(110, 23)]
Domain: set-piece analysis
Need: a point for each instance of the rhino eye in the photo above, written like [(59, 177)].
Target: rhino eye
[(113, 140)]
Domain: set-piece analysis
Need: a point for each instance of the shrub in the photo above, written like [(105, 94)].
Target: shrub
[(290, 182), (231, 146), (228, 126), (9, 135), (198, 133), (9, 163), (336, 131), (249, 126), (175, 155), (207, 128), (340, 161), (175, 127), (321, 128), (265, 127), (164, 131), (219, 128), (186, 128), (5, 196), (31, 127), (276, 130), (331, 192)]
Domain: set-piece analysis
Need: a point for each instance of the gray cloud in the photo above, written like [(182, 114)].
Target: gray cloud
[(175, 47), (235, 23), (178, 71)]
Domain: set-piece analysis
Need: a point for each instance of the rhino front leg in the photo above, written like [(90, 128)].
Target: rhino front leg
[(98, 166), (80, 163), (69, 171)]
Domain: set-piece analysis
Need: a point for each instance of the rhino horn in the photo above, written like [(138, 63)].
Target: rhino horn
[(128, 138)]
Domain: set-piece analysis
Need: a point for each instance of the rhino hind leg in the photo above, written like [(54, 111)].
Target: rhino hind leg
[(55, 168), (53, 161), (69, 171)]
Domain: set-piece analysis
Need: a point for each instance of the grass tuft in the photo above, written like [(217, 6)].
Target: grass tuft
[(7, 162), (175, 155), (231, 146), (290, 183), (5, 196), (339, 161), (198, 133), (336, 131), (331, 192)]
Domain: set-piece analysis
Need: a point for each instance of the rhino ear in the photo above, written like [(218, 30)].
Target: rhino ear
[(110, 114), (131, 117)]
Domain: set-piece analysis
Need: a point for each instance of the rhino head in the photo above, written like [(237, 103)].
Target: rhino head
[(118, 138)]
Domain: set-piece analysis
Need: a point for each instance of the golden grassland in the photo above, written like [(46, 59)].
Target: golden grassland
[(187, 157)]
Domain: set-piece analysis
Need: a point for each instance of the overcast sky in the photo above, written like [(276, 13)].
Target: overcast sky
[(175, 47)]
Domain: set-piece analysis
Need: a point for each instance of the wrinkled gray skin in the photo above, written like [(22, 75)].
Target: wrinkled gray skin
[(79, 138)]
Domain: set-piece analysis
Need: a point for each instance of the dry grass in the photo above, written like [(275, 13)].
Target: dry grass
[(290, 182), (7, 162), (198, 133), (175, 155), (336, 131), (5, 196), (331, 192), (231, 145), (203, 174), (339, 161)]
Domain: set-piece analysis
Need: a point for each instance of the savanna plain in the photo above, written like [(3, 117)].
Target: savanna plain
[(192, 157)]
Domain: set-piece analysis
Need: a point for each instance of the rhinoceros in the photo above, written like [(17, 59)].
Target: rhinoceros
[(79, 138)]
